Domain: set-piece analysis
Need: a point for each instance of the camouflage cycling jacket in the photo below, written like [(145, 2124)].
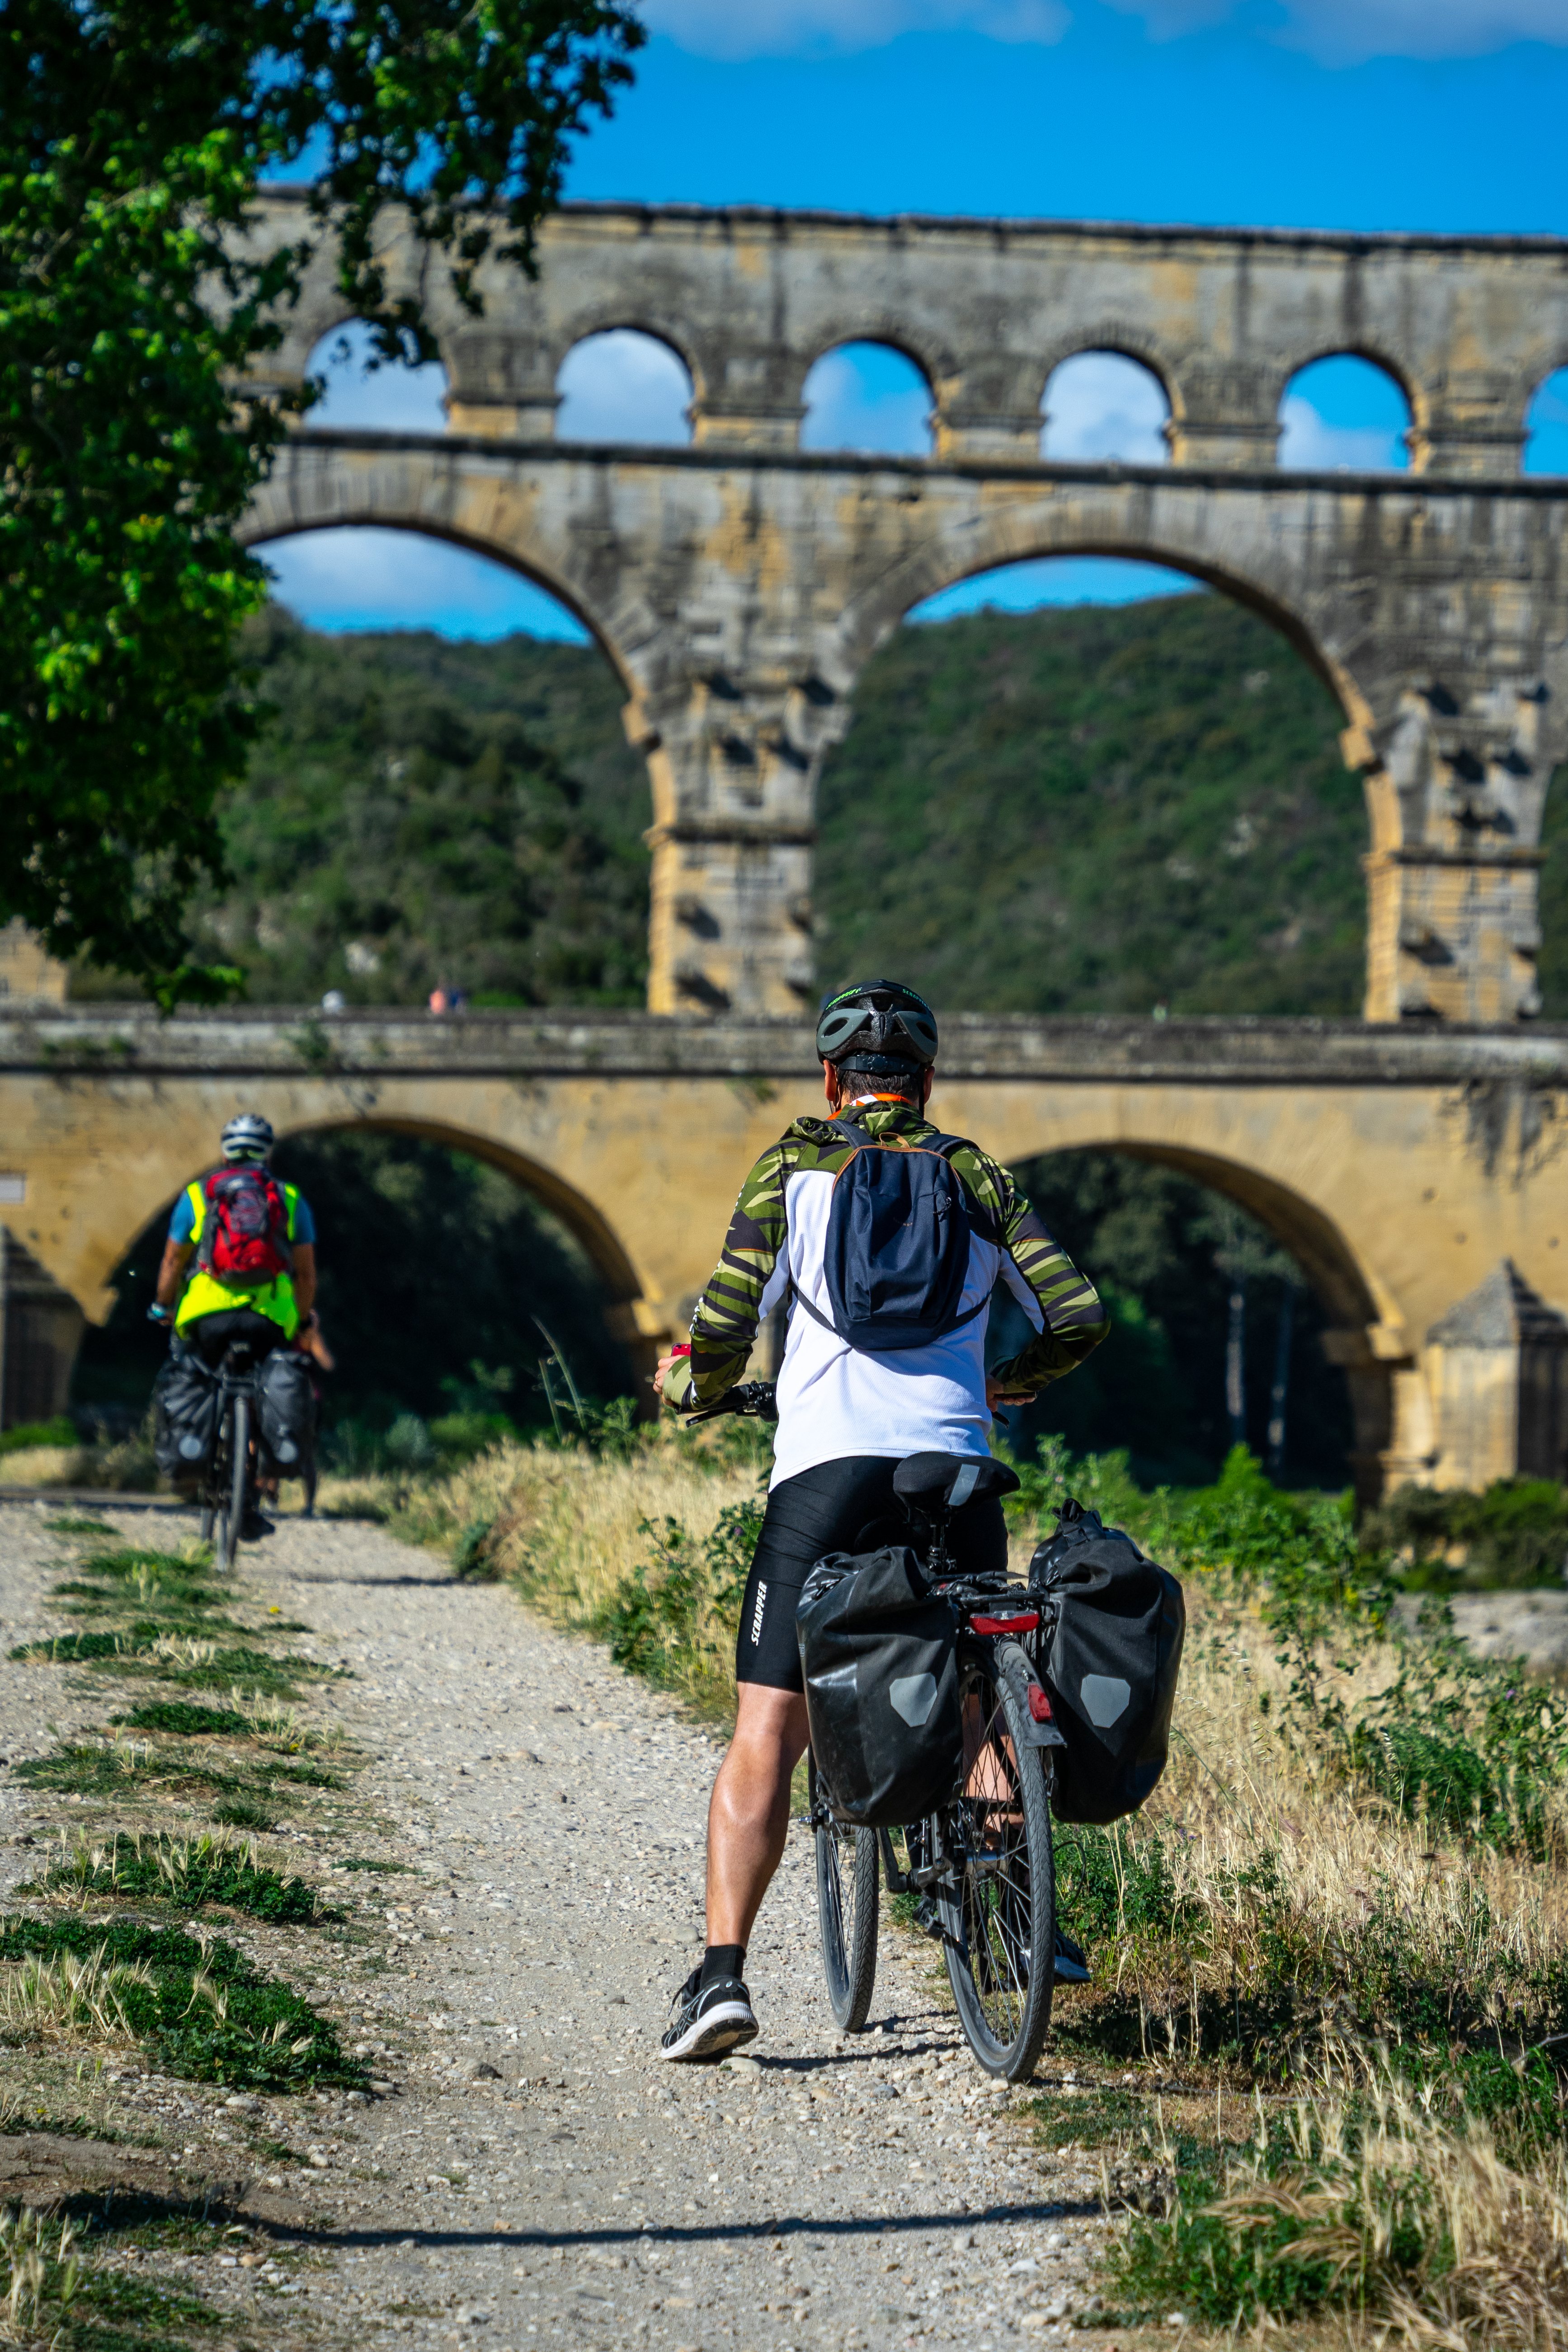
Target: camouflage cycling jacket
[(724, 1326)]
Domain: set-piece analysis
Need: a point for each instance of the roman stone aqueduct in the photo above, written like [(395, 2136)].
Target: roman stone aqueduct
[(1413, 1161)]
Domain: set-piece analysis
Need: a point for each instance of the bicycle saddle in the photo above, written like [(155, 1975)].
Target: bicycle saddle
[(931, 1481)]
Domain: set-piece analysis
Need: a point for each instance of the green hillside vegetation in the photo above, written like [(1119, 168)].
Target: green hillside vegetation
[(1097, 810), (421, 811)]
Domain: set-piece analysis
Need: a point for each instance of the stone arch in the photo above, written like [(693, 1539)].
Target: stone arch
[(1023, 531), (1405, 383), (1123, 342), (936, 361), (583, 1218), (612, 318), (1160, 1128), (1129, 370), (284, 507), (879, 343)]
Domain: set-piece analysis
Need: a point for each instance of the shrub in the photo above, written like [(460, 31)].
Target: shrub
[(1374, 2208), (1514, 1535), (660, 1619), (61, 1430)]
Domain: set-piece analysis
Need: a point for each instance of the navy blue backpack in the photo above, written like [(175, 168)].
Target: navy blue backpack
[(897, 1253)]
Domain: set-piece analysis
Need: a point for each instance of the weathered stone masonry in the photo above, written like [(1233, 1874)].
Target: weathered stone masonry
[(739, 586)]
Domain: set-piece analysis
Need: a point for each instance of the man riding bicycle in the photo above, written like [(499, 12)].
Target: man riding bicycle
[(847, 1418), (254, 1241)]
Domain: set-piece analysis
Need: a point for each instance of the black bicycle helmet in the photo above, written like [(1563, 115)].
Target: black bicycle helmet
[(879, 1026)]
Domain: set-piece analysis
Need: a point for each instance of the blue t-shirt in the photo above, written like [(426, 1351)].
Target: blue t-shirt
[(183, 1224)]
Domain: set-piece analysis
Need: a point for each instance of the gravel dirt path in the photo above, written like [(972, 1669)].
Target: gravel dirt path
[(528, 2170)]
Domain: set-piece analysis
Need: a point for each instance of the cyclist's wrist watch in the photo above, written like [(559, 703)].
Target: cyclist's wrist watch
[(157, 1314)]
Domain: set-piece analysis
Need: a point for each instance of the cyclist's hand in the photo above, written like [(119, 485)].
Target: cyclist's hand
[(672, 1378), (997, 1395)]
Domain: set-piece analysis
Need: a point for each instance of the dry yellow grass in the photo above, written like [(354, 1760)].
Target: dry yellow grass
[(1244, 1783)]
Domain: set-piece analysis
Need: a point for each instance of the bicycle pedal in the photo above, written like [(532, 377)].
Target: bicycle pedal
[(926, 1919)]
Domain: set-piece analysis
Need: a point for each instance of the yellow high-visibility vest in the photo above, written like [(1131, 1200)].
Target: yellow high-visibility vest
[(210, 1294)]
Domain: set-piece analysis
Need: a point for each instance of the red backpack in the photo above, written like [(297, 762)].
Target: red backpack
[(245, 1229)]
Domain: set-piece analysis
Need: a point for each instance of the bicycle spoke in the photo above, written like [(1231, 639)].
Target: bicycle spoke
[(1003, 1918)]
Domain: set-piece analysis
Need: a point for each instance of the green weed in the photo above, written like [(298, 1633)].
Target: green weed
[(384, 1869), (191, 1873), (178, 1718), (239, 1813), (652, 1620), (201, 2008)]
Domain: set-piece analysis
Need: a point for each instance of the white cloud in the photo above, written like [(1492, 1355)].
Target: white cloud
[(864, 397), (719, 29), (1310, 442), (1345, 32), (392, 400), (623, 386), (374, 579), (1099, 406)]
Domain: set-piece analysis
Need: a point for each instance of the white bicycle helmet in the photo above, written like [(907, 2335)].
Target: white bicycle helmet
[(248, 1137)]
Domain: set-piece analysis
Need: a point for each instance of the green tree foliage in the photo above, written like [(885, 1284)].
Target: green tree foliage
[(419, 812), (1096, 811), (133, 319)]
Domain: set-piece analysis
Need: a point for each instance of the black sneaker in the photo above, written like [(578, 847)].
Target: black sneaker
[(253, 1526), (709, 2018), (1072, 1962)]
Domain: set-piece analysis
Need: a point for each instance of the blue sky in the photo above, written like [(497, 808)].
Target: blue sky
[(1376, 115)]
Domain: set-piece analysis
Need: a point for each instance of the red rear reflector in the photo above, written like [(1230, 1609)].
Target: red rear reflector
[(1039, 1704), (1007, 1625)]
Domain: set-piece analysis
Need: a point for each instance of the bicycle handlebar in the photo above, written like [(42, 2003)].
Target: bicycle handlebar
[(752, 1400)]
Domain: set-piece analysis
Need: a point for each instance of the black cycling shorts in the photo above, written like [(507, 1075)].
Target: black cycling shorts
[(843, 1505), (211, 1334)]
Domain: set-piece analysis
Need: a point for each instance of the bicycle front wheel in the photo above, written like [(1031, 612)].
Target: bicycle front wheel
[(847, 1897), (998, 1912), (231, 1510)]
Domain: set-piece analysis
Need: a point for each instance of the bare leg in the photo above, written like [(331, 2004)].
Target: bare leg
[(748, 1814)]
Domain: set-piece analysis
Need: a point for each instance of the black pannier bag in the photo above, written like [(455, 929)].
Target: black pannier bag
[(185, 1415), (1110, 1651), (288, 1410), (877, 1649)]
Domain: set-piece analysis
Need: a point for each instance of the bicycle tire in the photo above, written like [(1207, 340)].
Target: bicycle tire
[(235, 1492), (847, 1886), (999, 1928)]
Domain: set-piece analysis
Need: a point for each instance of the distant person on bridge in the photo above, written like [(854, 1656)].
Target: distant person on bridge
[(847, 1417), (253, 1242)]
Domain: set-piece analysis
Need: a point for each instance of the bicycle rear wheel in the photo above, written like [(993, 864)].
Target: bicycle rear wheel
[(847, 1900), (999, 1923), (231, 1508)]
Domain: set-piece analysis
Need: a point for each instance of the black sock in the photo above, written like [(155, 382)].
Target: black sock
[(720, 1960)]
